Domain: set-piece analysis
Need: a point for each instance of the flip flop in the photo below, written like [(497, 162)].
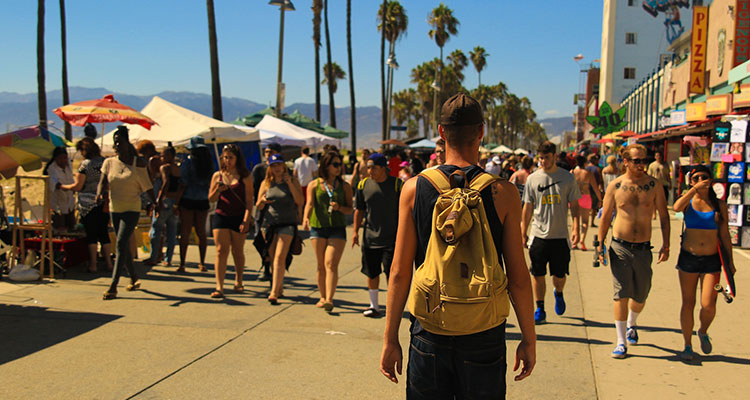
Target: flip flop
[(239, 288), (133, 286), (217, 294)]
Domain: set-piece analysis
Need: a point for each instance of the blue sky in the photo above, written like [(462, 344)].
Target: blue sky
[(148, 46)]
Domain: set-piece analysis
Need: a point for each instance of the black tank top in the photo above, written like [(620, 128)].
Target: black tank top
[(424, 203)]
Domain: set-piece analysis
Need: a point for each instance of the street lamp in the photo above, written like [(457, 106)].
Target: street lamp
[(284, 5), (436, 86), (392, 64)]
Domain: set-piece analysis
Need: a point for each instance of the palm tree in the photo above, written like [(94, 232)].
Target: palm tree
[(40, 78), (331, 105), (65, 93), (458, 60), (317, 7), (332, 75), (392, 21), (479, 59), (383, 117), (443, 24), (352, 108), (213, 48), (406, 110), (422, 75)]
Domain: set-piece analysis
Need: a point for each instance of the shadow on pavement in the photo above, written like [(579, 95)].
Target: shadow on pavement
[(228, 299), (674, 355), (551, 338), (29, 329)]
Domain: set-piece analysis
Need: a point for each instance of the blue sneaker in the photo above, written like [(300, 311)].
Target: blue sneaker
[(559, 303), (706, 346), (632, 335), (540, 316), (688, 354), (620, 351)]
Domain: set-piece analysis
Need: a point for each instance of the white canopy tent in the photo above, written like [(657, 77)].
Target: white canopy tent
[(501, 149), (178, 124), (311, 138), (268, 137), (522, 151), (423, 144)]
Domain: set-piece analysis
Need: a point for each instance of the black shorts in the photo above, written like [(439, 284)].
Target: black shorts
[(231, 222), (373, 259), (556, 252), (195, 205), (689, 262), (96, 225)]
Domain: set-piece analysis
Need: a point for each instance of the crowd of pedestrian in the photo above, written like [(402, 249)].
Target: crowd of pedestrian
[(391, 195)]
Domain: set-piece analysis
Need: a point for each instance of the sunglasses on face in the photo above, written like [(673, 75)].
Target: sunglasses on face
[(335, 164), (638, 161), (699, 178)]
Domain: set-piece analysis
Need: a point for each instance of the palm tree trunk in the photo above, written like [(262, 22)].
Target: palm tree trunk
[(330, 77), (41, 90), (212, 44), (352, 108), (65, 93), (317, 82), (383, 105)]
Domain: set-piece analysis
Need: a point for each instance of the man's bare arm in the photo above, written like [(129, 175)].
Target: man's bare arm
[(399, 282), (527, 211), (508, 207), (608, 206)]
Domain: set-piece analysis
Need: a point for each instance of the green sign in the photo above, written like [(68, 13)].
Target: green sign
[(607, 121)]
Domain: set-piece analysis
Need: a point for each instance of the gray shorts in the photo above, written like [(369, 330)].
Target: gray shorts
[(631, 270)]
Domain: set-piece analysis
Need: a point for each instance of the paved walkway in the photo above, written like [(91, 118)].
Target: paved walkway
[(170, 340)]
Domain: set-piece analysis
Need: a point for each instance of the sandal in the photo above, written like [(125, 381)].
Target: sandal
[(239, 288), (216, 294), (133, 286), (181, 268), (273, 300), (109, 296), (320, 303), (328, 307), (201, 268)]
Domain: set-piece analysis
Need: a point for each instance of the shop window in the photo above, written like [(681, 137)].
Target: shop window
[(630, 38), (629, 73), (631, 3)]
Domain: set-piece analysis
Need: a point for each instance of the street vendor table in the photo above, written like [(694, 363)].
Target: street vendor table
[(74, 250)]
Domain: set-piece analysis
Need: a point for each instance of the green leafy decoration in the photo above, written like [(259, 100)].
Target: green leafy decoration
[(607, 121)]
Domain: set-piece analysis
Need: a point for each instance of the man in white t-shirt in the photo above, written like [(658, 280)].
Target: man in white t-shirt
[(305, 169)]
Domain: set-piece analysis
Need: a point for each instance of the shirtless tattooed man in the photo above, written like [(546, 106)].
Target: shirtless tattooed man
[(634, 196)]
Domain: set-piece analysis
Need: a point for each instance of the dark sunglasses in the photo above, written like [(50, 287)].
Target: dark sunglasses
[(336, 164), (638, 161), (700, 177)]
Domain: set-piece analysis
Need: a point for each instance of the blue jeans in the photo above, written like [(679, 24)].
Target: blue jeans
[(457, 367), (124, 223), (166, 219)]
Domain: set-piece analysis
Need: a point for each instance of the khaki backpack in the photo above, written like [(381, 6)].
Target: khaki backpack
[(461, 287)]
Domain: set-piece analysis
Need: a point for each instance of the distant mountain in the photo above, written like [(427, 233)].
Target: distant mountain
[(556, 126), (18, 110)]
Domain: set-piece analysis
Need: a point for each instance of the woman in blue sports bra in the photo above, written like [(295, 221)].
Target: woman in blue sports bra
[(699, 259)]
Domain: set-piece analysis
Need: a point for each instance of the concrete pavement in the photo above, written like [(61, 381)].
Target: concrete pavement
[(170, 340)]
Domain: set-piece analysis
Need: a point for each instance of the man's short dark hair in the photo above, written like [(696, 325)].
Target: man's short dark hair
[(546, 147), (581, 161), (306, 151), (440, 143)]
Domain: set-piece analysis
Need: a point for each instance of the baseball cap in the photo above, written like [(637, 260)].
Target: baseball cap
[(378, 159), (196, 142), (274, 146), (275, 159), (461, 110), (496, 159)]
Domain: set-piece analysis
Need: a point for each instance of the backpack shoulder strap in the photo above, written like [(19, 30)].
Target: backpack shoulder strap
[(483, 180), (437, 179), (361, 184)]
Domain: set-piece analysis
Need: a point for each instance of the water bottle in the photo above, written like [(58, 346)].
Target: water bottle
[(603, 253)]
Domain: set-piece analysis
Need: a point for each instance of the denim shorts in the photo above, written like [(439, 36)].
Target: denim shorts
[(689, 262), (464, 367), (328, 233)]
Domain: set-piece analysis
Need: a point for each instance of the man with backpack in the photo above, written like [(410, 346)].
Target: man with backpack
[(548, 194), (459, 225), (376, 202)]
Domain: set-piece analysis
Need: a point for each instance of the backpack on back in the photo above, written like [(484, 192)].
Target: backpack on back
[(461, 288)]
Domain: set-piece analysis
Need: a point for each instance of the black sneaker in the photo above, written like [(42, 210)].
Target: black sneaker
[(371, 313)]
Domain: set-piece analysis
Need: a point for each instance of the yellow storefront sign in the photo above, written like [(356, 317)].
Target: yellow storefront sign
[(695, 112), (742, 99), (719, 104)]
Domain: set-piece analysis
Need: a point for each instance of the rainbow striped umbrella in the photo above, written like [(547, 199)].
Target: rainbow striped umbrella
[(27, 148), (103, 110)]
